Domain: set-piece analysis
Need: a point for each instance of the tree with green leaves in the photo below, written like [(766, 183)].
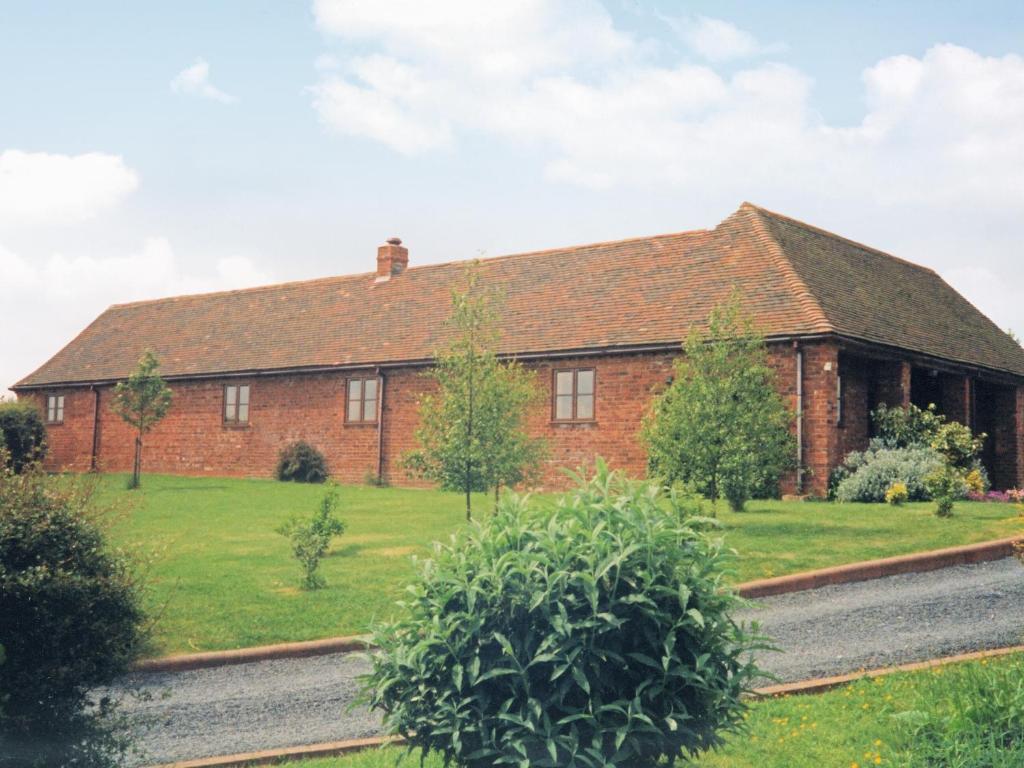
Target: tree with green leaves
[(472, 431), (721, 424), (311, 538), (142, 401)]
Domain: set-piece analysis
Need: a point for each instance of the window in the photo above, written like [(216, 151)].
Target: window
[(55, 409), (574, 395), (236, 404), (361, 405)]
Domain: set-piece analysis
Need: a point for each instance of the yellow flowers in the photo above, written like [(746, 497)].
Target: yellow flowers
[(975, 481), (896, 494)]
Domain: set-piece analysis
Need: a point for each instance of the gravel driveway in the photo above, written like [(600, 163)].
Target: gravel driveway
[(822, 632)]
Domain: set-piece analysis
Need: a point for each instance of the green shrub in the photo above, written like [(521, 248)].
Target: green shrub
[(912, 427), (22, 433), (597, 633), (945, 485), (959, 447), (311, 538), (70, 621), (897, 494), (302, 463), (969, 715), (908, 427), (869, 474)]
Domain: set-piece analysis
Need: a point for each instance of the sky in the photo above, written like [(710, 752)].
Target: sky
[(154, 149)]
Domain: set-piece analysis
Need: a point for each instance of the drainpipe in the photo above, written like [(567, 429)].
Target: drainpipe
[(380, 427), (799, 418), (95, 427)]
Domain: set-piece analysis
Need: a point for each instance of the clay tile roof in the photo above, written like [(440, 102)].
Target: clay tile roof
[(795, 280), (867, 294)]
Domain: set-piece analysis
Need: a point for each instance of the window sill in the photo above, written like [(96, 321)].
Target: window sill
[(54, 423), (360, 423), (574, 423), (228, 425)]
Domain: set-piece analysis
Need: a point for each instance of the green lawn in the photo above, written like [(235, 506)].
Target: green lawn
[(850, 727), (222, 578)]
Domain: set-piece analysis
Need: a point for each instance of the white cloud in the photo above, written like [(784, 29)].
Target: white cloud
[(938, 129), (326, 62), (195, 81), (1000, 298), (41, 189), (390, 103), (719, 40), (493, 40), (933, 169), (62, 292)]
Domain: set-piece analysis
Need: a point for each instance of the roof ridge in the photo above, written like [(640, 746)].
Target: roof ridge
[(805, 297), (436, 265), (821, 231)]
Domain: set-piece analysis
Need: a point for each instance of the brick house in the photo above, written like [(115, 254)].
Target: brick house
[(337, 361)]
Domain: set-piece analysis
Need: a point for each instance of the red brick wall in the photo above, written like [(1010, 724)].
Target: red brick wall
[(70, 442), (193, 440), (855, 429), (1008, 438), (821, 436)]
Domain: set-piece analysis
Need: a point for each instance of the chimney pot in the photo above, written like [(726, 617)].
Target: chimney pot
[(392, 259)]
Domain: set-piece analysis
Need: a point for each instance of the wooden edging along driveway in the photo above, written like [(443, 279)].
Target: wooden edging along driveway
[(337, 748), (917, 562)]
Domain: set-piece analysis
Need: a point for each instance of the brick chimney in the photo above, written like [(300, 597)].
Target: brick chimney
[(392, 259)]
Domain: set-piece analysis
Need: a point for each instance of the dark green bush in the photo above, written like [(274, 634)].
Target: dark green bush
[(302, 463), (70, 620), (22, 433), (595, 634), (907, 427)]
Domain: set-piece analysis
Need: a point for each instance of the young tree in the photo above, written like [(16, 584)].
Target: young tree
[(311, 538), (142, 401), (471, 433), (721, 424)]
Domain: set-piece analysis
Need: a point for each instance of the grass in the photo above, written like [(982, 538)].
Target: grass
[(222, 578), (859, 726)]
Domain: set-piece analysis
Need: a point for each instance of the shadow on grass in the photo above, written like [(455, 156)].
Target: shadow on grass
[(186, 488), (802, 530)]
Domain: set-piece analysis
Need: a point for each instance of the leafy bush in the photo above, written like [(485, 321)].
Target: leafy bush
[(71, 620), (908, 427), (945, 485), (594, 634), (912, 427), (302, 463), (897, 494), (872, 472), (976, 481), (22, 433), (312, 538), (965, 715)]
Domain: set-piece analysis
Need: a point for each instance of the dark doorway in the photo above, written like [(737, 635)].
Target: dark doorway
[(995, 415), (925, 388)]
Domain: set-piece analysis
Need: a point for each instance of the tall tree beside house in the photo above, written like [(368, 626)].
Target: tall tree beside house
[(721, 424), (471, 433), (142, 401)]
